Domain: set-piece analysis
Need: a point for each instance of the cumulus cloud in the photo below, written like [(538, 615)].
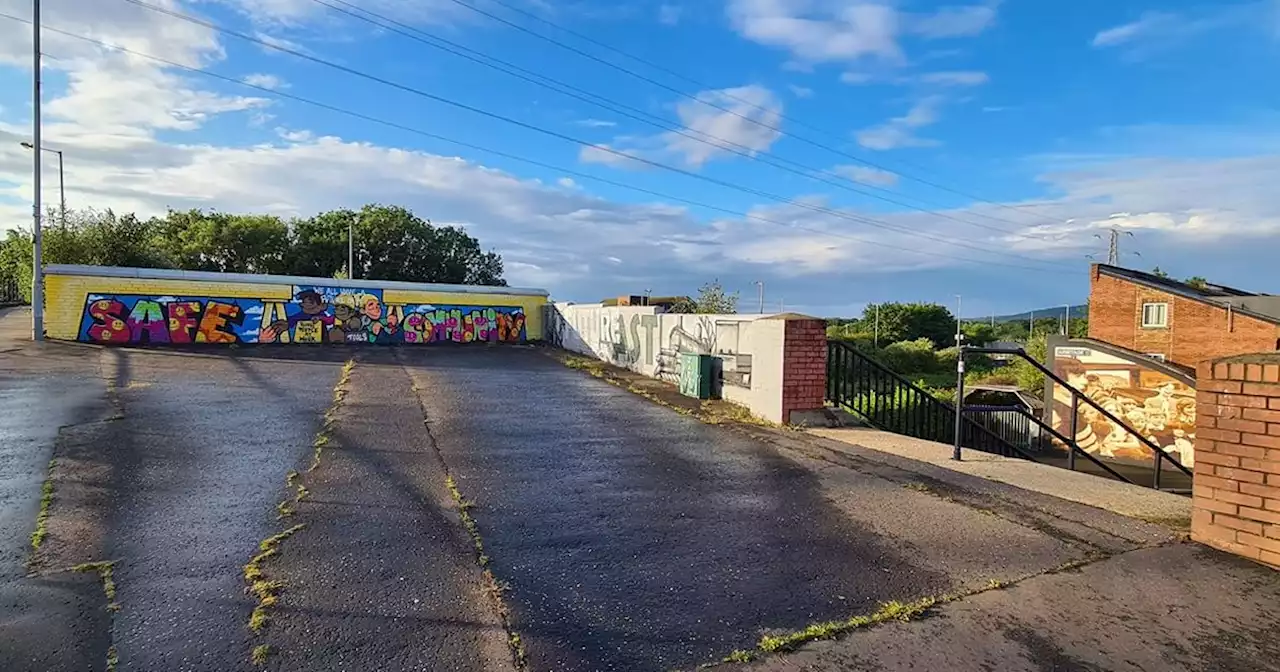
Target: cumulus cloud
[(1149, 23), (669, 15), (900, 131), (714, 124), (868, 175), (266, 81), (955, 78), (816, 32)]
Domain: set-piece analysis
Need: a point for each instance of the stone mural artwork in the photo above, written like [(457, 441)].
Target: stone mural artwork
[(316, 314), (1152, 402)]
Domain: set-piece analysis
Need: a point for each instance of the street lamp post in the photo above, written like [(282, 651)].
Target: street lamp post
[(760, 283), (351, 249), (62, 183), (37, 268)]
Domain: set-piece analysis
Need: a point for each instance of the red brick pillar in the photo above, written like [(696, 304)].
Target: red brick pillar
[(1236, 505), (804, 365)]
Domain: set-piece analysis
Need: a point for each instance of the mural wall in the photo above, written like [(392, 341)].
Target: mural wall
[(645, 341), (1161, 407), (314, 314)]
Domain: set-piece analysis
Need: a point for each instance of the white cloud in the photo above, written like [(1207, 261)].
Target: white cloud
[(955, 21), (614, 157), (856, 78), (714, 124), (745, 118), (669, 15), (900, 131), (800, 91), (1149, 23), (818, 31), (596, 123), (955, 78), (266, 81), (868, 175)]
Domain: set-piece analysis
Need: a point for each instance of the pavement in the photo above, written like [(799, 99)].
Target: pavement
[(599, 531)]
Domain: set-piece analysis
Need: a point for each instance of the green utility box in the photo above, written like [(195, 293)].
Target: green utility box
[(697, 373)]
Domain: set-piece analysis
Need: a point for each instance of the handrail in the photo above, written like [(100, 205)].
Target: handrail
[(1074, 446), (1019, 352), (889, 373)]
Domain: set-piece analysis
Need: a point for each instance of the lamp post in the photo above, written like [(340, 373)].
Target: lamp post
[(62, 183), (760, 283), (351, 249), (37, 268)]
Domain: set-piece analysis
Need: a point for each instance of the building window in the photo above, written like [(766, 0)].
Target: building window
[(1158, 356), (1155, 315)]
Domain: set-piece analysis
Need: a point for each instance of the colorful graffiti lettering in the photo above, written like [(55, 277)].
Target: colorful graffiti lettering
[(315, 314)]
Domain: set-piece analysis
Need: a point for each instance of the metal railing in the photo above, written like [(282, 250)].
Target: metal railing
[(10, 293), (1159, 456), (892, 403), (1011, 423)]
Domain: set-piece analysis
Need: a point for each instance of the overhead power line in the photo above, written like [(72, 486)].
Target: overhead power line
[(686, 78), (809, 172), (562, 136), (515, 157)]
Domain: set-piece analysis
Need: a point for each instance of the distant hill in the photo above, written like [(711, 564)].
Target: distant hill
[(1079, 311)]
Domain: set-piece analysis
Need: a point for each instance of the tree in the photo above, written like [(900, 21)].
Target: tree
[(1197, 282), (1159, 273), (221, 242), (712, 300), (909, 322), (978, 333), (392, 243)]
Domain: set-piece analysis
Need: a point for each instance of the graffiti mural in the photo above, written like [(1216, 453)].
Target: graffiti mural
[(1152, 402), (315, 314)]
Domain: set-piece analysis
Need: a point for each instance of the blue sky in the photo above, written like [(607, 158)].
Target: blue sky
[(840, 152)]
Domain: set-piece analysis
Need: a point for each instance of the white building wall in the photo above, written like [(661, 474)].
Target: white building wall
[(750, 347)]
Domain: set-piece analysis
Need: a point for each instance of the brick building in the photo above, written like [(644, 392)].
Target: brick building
[(1177, 322)]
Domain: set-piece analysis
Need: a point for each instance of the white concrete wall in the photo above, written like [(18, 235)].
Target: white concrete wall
[(641, 339)]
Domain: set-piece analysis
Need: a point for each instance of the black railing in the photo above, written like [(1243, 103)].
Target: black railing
[(10, 293), (1159, 456), (892, 403), (1011, 423)]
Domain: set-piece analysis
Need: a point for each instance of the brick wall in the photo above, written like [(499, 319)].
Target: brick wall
[(1197, 331), (804, 366), (1236, 493)]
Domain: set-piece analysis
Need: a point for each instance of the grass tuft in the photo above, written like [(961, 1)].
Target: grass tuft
[(889, 611), (740, 656), (46, 501), (259, 655)]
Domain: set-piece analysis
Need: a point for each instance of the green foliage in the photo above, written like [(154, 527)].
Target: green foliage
[(978, 333), (712, 300), (1197, 282), (1159, 273), (909, 322), (908, 357), (391, 243)]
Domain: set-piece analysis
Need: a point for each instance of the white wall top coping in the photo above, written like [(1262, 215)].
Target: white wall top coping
[(208, 276)]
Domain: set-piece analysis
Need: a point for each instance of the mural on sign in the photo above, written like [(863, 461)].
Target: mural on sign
[(1154, 403), (316, 314)]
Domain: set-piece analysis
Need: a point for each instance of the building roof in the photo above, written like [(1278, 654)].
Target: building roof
[(1264, 307)]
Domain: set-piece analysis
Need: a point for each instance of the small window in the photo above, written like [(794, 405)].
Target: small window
[(1158, 356), (1155, 315)]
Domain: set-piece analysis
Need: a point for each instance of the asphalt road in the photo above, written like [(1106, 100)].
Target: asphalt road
[(625, 536), (638, 539)]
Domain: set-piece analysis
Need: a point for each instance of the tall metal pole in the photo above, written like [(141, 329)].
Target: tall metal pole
[(959, 405), (959, 305), (876, 338), (351, 249), (37, 245), (761, 284), (1066, 325), (1031, 326), (62, 192)]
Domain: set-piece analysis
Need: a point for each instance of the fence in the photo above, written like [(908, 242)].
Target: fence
[(890, 402), (10, 293)]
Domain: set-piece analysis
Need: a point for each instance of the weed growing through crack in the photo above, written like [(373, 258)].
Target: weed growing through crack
[(889, 611), (106, 573), (259, 585), (492, 587), (259, 655), (46, 501)]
